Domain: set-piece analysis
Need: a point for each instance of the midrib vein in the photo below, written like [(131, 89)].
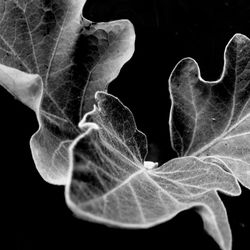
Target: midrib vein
[(195, 120), (65, 117), (126, 146), (220, 137), (111, 191), (32, 44), (119, 153), (87, 85), (55, 48), (89, 79)]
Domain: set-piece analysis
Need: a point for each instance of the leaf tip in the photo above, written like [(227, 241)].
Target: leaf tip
[(186, 70), (240, 38)]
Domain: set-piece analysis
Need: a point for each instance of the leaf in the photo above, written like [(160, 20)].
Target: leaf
[(54, 60), (212, 119), (215, 218), (111, 183)]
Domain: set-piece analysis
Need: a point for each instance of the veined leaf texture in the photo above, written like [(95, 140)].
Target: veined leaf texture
[(111, 185), (60, 65), (212, 119), (54, 60)]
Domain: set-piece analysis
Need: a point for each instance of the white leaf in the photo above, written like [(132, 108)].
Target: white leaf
[(110, 182), (212, 119), (215, 218), (54, 60)]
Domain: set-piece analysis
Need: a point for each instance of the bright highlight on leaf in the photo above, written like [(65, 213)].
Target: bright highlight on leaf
[(54, 60)]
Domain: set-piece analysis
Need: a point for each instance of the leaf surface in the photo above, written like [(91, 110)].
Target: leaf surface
[(111, 183), (211, 120), (54, 60)]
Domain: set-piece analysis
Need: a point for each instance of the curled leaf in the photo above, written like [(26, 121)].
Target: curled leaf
[(54, 60), (111, 183)]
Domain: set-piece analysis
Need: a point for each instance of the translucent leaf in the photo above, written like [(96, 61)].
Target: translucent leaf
[(54, 60), (110, 182), (212, 119)]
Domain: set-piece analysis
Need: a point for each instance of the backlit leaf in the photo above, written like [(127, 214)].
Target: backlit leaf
[(54, 60), (111, 183), (212, 119)]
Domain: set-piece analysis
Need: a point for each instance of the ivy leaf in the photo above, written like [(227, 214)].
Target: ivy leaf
[(111, 183), (54, 60), (212, 119)]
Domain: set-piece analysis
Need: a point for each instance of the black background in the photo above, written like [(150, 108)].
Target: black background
[(166, 31)]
